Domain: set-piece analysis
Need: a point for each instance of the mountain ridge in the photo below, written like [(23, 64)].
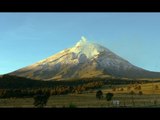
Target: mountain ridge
[(84, 60)]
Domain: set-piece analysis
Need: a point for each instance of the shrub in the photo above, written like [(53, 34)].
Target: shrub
[(41, 98), (121, 89), (109, 96), (156, 87), (140, 93), (128, 88), (132, 92), (99, 94), (138, 87), (114, 89), (71, 105)]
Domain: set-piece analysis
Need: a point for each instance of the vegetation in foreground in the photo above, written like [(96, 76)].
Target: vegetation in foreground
[(86, 100), (82, 93)]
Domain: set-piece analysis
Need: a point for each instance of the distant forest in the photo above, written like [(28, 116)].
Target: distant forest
[(13, 86)]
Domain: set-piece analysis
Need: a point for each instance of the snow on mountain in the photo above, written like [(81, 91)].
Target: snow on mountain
[(84, 60)]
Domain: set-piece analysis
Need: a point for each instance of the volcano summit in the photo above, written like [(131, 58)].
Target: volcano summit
[(84, 60)]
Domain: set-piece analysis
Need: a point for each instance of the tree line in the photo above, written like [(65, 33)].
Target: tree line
[(58, 90), (13, 86)]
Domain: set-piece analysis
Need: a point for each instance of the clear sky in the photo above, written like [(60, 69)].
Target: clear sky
[(26, 38)]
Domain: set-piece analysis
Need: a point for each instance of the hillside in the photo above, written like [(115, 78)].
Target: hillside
[(84, 60)]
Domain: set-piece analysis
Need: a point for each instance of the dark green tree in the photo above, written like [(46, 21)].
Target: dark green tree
[(99, 94), (41, 98), (109, 96)]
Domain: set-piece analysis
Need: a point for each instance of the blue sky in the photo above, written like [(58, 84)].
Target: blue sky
[(26, 38)]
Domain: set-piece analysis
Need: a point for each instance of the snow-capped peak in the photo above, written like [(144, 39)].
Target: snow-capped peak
[(89, 49), (84, 60)]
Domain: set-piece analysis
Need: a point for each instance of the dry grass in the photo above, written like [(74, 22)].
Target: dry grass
[(148, 88), (149, 98)]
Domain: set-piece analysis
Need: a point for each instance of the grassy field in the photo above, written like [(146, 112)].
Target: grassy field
[(148, 88), (149, 98)]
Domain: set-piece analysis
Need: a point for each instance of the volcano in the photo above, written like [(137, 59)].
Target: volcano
[(84, 60)]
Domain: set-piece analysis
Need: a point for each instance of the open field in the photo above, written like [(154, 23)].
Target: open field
[(86, 101), (149, 98)]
